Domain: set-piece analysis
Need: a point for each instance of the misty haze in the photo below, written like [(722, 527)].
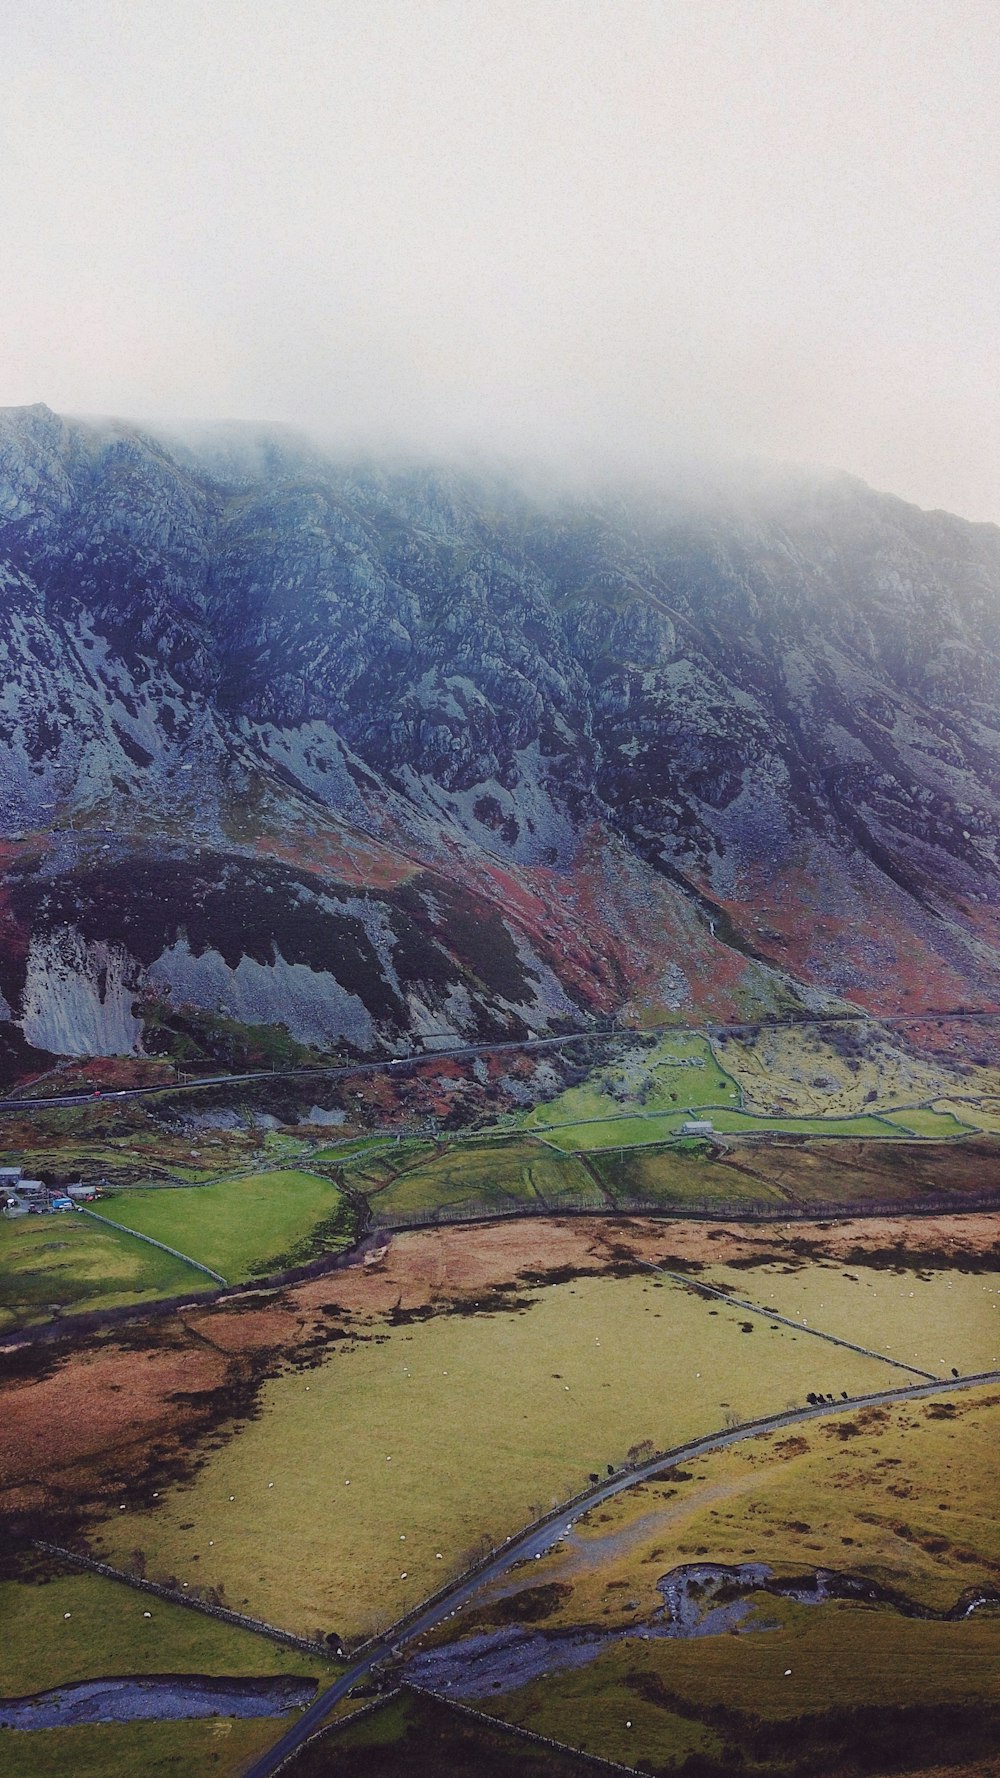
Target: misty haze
[(499, 894)]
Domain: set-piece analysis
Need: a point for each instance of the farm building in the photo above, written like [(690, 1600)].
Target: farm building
[(697, 1126)]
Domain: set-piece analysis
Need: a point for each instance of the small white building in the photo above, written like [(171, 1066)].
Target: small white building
[(697, 1126)]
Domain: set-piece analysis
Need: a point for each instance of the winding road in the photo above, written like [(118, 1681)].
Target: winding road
[(540, 1537)]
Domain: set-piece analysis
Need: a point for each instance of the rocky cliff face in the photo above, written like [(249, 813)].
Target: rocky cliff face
[(372, 754)]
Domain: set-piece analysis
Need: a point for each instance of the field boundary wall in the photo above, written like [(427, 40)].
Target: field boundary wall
[(137, 1235), (222, 1612)]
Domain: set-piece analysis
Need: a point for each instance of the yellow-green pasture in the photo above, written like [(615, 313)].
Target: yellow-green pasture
[(367, 1481), (903, 1496), (938, 1319)]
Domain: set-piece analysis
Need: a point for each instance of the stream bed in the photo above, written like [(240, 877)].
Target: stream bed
[(154, 1698), (699, 1599)]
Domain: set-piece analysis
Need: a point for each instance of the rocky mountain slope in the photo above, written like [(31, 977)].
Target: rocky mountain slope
[(370, 754)]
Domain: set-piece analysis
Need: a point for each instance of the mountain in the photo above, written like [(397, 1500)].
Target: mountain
[(366, 753)]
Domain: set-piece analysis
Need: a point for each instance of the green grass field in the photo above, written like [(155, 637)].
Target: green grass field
[(82, 1626), (679, 1074), (487, 1177), (679, 1176), (931, 1123), (78, 1626), (58, 1265), (241, 1226), (631, 1129), (365, 1482)]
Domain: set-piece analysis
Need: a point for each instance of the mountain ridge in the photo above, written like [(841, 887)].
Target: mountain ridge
[(369, 751)]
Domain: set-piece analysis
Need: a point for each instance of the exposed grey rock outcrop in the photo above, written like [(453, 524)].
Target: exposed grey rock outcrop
[(778, 685)]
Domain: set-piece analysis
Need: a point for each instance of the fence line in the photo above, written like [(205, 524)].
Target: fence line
[(192, 1600), (162, 1245), (693, 1210), (501, 1725)]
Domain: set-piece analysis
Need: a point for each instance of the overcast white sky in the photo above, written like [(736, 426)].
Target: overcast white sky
[(600, 229)]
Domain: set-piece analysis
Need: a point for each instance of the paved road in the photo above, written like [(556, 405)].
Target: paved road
[(463, 1051), (541, 1537), (349, 1070)]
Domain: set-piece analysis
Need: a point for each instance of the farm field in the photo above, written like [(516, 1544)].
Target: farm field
[(415, 1734), (688, 1174), (906, 1307), (58, 1265), (682, 1175), (362, 1483), (242, 1226), (926, 1121), (820, 1680), (984, 1115), (631, 1129), (219, 1747), (374, 1165), (488, 1177), (852, 1173), (75, 1626)]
